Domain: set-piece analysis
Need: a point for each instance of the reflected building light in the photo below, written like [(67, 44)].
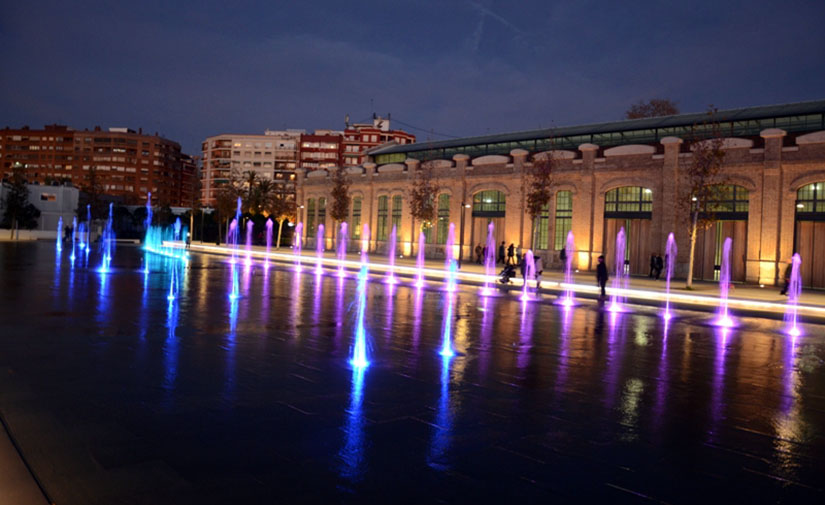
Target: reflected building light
[(717, 401), (631, 399), (526, 336), (170, 352)]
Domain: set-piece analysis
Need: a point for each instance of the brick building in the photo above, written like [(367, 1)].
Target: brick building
[(321, 149), (358, 138), (125, 163), (623, 174)]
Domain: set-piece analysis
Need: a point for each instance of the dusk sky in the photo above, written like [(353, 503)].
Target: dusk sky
[(193, 69)]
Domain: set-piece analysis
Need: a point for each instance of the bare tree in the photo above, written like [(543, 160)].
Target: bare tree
[(339, 206), (422, 195), (652, 108), (702, 181), (538, 189)]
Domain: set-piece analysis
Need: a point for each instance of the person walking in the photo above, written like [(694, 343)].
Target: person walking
[(660, 265), (478, 254), (563, 258), (786, 279), (511, 253), (500, 253), (522, 266), (538, 266), (652, 266), (601, 275)]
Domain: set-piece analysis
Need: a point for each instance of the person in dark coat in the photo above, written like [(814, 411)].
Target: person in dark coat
[(563, 258), (652, 266), (787, 279), (522, 265), (601, 275), (500, 253), (479, 250), (660, 265), (511, 253)]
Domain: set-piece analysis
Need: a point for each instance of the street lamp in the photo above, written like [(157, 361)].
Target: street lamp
[(464, 205)]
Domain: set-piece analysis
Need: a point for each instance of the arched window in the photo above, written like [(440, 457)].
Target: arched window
[(564, 219), (443, 218), (396, 213), (356, 217), (490, 203), (810, 202), (628, 202), (727, 202), (311, 217), (381, 225)]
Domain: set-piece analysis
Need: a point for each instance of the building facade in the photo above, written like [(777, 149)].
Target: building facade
[(124, 163), (321, 149), (627, 174), (272, 156), (360, 138)]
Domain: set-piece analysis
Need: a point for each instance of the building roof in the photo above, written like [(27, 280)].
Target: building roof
[(799, 116)]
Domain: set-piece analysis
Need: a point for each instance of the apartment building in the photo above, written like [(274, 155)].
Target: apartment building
[(358, 138)]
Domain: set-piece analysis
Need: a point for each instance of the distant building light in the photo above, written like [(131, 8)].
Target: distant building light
[(800, 206)]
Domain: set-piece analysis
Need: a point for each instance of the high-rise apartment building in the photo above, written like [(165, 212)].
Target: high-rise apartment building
[(360, 137), (122, 162), (321, 149), (272, 155)]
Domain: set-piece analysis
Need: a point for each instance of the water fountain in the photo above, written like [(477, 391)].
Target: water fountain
[(569, 249), (419, 261), (342, 249), (446, 334), (391, 256), (449, 260), (74, 238), (106, 244), (148, 222), (268, 241), (794, 291), (177, 228), (619, 280), (296, 249), (358, 357), (232, 238), (250, 226), (724, 286), (88, 231), (671, 253), (173, 284), (490, 261), (59, 241), (81, 239), (529, 273), (319, 250), (365, 244)]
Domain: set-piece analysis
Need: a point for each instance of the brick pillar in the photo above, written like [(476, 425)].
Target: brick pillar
[(588, 213), (771, 205), (520, 171), (674, 219), (369, 172)]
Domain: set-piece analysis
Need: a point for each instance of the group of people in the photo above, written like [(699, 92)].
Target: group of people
[(506, 255), (657, 264)]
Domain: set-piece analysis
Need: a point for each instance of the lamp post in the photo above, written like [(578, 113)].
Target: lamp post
[(461, 233)]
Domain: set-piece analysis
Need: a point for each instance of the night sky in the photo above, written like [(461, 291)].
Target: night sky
[(193, 69)]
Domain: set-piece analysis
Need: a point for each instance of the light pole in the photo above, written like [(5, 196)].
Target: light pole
[(461, 233)]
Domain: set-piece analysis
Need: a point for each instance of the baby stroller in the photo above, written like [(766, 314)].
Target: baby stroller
[(508, 272)]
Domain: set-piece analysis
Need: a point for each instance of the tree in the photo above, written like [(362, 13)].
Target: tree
[(654, 107), (339, 206), (226, 199), (422, 195), (538, 188), (19, 212), (702, 179), (282, 208)]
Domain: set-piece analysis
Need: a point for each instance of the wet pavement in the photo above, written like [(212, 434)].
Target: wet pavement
[(116, 395)]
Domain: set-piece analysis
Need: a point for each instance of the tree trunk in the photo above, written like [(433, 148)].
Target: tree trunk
[(693, 227), (280, 227)]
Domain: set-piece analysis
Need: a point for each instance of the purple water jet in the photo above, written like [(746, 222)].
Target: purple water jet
[(296, 248), (391, 256), (529, 273), (319, 250), (671, 252), (620, 279), (490, 261), (74, 237), (232, 238), (449, 260), (268, 241), (794, 291), (59, 241), (419, 262), (342, 248), (249, 228), (569, 248), (724, 285)]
